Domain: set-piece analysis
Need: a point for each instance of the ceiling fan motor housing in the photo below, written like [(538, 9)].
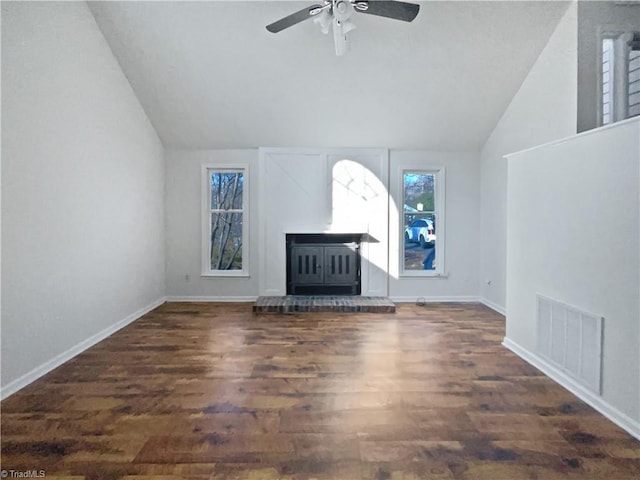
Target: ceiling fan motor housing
[(342, 10)]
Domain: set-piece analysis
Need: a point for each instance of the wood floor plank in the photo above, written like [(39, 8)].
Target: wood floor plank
[(212, 391)]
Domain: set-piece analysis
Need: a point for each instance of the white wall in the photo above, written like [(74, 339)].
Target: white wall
[(462, 226), (183, 227), (544, 109), (324, 191), (294, 191), (82, 191), (573, 236)]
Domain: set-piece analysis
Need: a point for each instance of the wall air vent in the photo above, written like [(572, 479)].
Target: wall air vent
[(571, 341)]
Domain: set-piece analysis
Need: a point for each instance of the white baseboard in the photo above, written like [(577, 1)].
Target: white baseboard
[(189, 298), (29, 377), (445, 299), (616, 416), (493, 306)]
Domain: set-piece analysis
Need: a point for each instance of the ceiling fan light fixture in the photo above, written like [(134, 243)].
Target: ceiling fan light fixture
[(324, 20), (348, 26)]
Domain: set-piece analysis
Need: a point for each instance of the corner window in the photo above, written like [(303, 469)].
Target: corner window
[(619, 77), (423, 222), (225, 220)]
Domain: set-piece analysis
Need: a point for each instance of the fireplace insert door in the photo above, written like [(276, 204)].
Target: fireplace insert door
[(339, 265), (324, 269), (307, 265)]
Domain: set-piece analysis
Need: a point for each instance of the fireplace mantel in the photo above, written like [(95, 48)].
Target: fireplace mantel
[(365, 237)]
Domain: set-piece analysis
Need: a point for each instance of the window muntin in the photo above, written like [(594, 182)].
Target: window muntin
[(422, 251), (225, 226)]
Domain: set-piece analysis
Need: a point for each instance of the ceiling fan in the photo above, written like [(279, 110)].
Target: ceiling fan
[(336, 14)]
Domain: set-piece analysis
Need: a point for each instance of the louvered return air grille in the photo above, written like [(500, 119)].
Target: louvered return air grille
[(571, 340), (323, 264)]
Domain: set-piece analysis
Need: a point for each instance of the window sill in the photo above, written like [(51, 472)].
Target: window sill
[(421, 274), (225, 274)]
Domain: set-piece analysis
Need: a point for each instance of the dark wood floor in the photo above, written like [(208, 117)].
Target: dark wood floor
[(211, 391)]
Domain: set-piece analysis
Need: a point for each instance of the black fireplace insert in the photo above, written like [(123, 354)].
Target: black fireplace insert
[(323, 264)]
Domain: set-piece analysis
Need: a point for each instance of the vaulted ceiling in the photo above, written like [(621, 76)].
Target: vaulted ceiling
[(209, 75)]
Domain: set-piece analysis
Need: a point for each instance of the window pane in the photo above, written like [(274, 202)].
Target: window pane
[(226, 190), (226, 241), (419, 221), (419, 191), (419, 241)]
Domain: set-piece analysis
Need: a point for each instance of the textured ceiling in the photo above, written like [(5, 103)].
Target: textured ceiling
[(209, 75)]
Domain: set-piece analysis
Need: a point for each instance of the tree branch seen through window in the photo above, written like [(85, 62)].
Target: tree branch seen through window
[(226, 220)]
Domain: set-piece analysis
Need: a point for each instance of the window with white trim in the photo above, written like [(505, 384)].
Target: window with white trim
[(633, 90), (422, 224), (607, 80), (619, 76), (225, 221)]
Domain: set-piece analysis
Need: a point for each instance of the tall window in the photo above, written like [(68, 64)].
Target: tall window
[(607, 80), (422, 226), (634, 76), (225, 223), (620, 77)]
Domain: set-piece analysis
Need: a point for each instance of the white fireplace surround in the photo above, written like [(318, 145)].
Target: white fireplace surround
[(324, 191)]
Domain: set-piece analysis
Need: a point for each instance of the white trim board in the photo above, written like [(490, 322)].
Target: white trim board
[(445, 299), (30, 377), (618, 124), (493, 306), (195, 298), (253, 298), (616, 416), (451, 299)]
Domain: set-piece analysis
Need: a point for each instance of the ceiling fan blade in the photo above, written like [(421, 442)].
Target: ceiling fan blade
[(294, 18), (390, 9)]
